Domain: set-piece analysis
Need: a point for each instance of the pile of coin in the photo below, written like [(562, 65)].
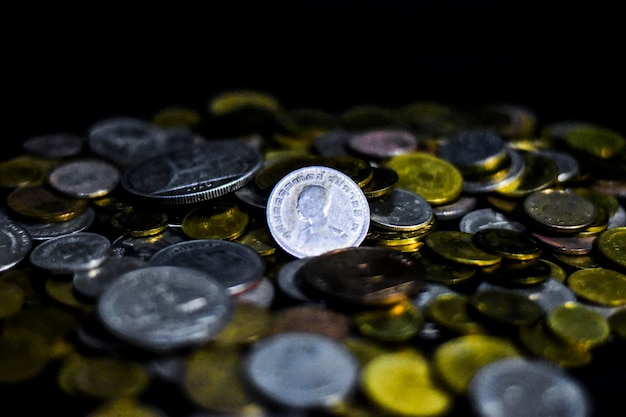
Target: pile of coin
[(251, 260)]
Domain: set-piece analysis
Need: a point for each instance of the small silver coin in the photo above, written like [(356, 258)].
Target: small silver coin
[(565, 162), (15, 243), (193, 174), (144, 248), (472, 149), (56, 145), (301, 370), (487, 218), (164, 308), (382, 143), (71, 253), (400, 210), (236, 266), (84, 178), (518, 387), (288, 283), (456, 209), (92, 282), (514, 171), (316, 209), (44, 230)]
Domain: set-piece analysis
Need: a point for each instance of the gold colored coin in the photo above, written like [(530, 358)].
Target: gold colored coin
[(359, 170), (268, 176), (23, 356), (456, 361), (248, 324), (617, 323), (233, 101), (402, 383), (446, 273), (578, 325), (24, 170), (382, 182), (506, 307), (124, 407), (599, 285), (518, 273), (171, 117), (509, 244), (559, 211), (12, 299), (63, 292), (577, 261), (540, 173), (397, 323), (435, 179), (612, 245), (595, 141), (213, 380), (40, 203), (458, 247), (542, 343), (259, 239), (556, 271), (600, 198), (364, 348), (217, 220), (140, 223), (450, 310), (49, 321)]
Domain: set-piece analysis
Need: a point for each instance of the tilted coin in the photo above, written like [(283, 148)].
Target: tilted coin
[(383, 181), (235, 265), (40, 203), (483, 218), (457, 246), (216, 220), (23, 170), (90, 283), (474, 152), (612, 244), (503, 178), (145, 247), (193, 174), (578, 325), (48, 230), (70, 253), (15, 244), (400, 210), (55, 145), (548, 294), (363, 276), (316, 209), (377, 144), (599, 285), (510, 244), (540, 172), (164, 308), (567, 165), (84, 178), (559, 211), (320, 372), (456, 208)]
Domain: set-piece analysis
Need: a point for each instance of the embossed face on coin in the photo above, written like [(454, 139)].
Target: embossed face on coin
[(316, 209)]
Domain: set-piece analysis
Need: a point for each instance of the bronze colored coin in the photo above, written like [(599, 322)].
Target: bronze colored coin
[(435, 179), (216, 220), (394, 324), (578, 325), (363, 276), (509, 244), (38, 202), (599, 285), (382, 182), (311, 318), (569, 245), (540, 172), (506, 307), (577, 261), (450, 310), (378, 144), (518, 273), (612, 245), (559, 211), (459, 247), (23, 170), (542, 343), (140, 223)]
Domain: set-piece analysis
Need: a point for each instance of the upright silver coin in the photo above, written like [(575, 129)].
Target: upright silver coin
[(71, 253), (236, 266), (317, 209), (301, 370), (15, 243), (164, 308), (193, 174), (84, 178), (400, 210), (518, 387)]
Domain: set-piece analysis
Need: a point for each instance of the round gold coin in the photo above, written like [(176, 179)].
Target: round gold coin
[(540, 172), (232, 101), (23, 170), (401, 383), (382, 182), (612, 245), (595, 141), (173, 117), (506, 307), (541, 342), (40, 203), (140, 223), (435, 179), (509, 244), (23, 356), (578, 325), (446, 273), (599, 285), (217, 220), (450, 310), (397, 323), (459, 247)]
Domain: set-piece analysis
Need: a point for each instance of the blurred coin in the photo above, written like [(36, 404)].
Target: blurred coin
[(455, 209), (15, 242), (459, 247), (396, 323), (23, 356), (578, 325), (55, 145), (40, 203), (503, 178), (311, 318), (145, 247), (216, 220), (485, 218), (540, 172), (377, 144), (474, 152), (599, 285), (566, 163), (140, 222), (451, 310), (71, 253), (24, 170), (509, 244), (90, 283), (84, 178), (505, 307), (542, 343), (47, 230), (612, 245), (400, 210)]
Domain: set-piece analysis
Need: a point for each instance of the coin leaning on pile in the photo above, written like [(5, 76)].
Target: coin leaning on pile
[(269, 261)]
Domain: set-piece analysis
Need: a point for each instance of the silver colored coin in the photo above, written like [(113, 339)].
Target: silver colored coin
[(57, 145), (289, 283), (514, 171), (618, 219), (382, 143), (44, 231), (250, 195), (71, 253), (518, 387), (193, 174), (15, 243), (145, 247), (456, 209), (84, 178), (565, 162), (317, 209), (164, 308), (261, 294), (236, 266), (487, 218), (301, 370), (126, 140), (471, 149), (332, 143), (400, 210), (92, 282)]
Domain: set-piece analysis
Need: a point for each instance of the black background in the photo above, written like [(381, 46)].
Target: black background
[(65, 67)]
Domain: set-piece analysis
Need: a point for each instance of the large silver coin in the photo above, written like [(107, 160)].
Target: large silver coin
[(317, 209), (15, 243), (71, 253), (301, 370), (193, 174), (164, 308), (517, 387), (236, 266)]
